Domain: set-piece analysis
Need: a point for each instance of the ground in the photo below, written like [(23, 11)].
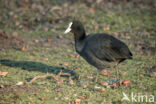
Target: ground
[(33, 43)]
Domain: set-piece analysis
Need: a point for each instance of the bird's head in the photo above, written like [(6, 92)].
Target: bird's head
[(75, 27)]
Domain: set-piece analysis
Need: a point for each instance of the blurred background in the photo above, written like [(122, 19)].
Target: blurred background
[(32, 43)]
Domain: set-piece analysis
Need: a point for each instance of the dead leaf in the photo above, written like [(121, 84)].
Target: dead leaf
[(66, 64), (23, 49), (77, 56), (70, 81), (66, 98), (46, 29), (152, 74), (60, 81), (126, 82), (124, 73), (1, 86), (106, 28), (83, 97), (54, 8), (84, 86), (36, 41), (102, 89), (15, 34), (105, 72), (104, 83), (20, 83), (3, 74), (17, 23), (49, 40), (45, 59), (77, 101), (43, 99)]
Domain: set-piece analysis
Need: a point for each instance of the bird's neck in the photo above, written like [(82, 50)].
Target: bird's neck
[(80, 36), (79, 40)]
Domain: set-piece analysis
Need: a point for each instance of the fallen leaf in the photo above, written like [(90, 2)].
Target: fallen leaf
[(23, 49), (59, 37), (106, 28), (55, 98), (84, 86), (105, 72), (70, 81), (15, 97), (66, 98), (3, 74), (15, 34), (77, 101), (45, 59), (97, 88), (54, 8), (20, 83), (102, 89), (77, 56), (126, 82), (49, 40), (124, 73), (36, 41), (17, 23), (60, 81), (83, 97), (104, 83), (46, 29), (43, 99), (1, 86), (152, 74), (66, 64)]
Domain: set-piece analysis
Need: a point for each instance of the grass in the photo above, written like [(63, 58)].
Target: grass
[(133, 25)]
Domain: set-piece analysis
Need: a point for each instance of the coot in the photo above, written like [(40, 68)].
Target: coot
[(100, 50)]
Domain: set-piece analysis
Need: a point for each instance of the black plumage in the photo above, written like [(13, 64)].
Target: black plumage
[(100, 50)]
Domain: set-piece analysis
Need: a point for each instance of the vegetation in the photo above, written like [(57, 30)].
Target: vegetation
[(36, 45)]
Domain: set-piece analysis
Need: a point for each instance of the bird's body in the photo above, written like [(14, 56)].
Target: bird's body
[(100, 50)]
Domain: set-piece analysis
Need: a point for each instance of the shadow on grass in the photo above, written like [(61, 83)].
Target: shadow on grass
[(35, 66)]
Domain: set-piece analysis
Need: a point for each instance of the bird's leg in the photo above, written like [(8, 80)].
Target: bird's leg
[(117, 73), (97, 75)]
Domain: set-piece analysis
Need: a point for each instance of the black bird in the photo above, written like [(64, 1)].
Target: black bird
[(100, 50)]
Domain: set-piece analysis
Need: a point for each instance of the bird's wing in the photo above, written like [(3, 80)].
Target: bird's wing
[(107, 48)]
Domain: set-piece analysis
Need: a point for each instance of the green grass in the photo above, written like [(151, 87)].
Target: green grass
[(138, 23)]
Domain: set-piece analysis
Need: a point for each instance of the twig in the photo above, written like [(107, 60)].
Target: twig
[(56, 77)]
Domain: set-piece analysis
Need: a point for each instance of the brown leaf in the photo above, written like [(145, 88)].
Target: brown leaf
[(60, 81), (83, 97), (45, 59), (152, 74), (36, 41), (126, 82), (23, 49), (124, 73), (54, 8), (17, 23), (105, 72), (104, 83), (70, 82), (106, 28), (66, 64), (84, 86), (102, 89), (46, 29), (3, 74), (49, 40), (43, 99), (77, 101)]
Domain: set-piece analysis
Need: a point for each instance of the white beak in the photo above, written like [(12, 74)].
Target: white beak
[(69, 28)]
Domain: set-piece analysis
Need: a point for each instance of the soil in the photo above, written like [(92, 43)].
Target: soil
[(10, 41), (7, 89)]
